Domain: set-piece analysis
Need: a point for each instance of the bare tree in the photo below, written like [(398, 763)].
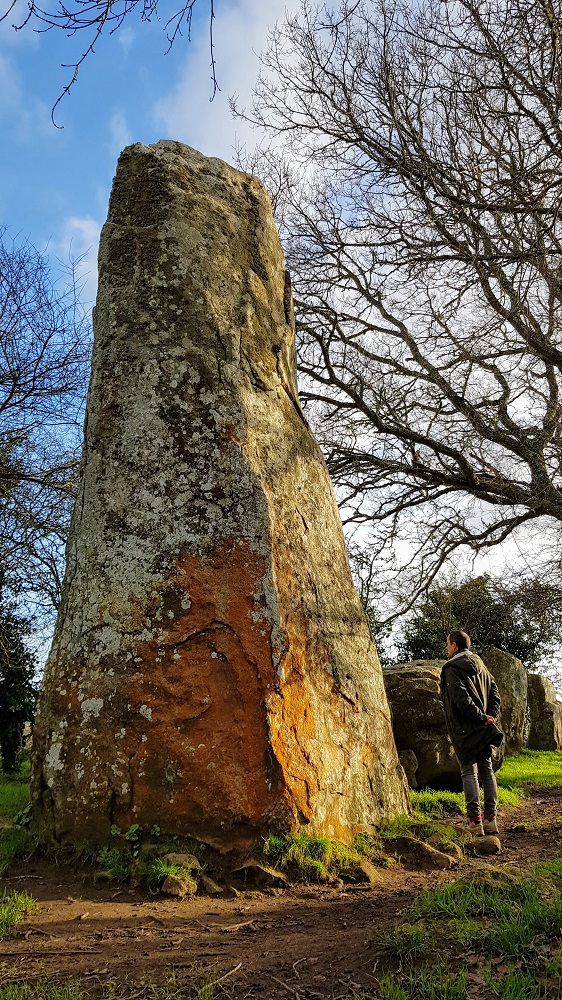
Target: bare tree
[(424, 237), (93, 18), (44, 351)]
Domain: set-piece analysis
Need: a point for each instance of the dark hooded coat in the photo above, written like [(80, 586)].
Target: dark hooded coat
[(469, 694)]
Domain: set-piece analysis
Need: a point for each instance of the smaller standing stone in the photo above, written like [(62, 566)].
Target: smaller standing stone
[(418, 722), (511, 677), (409, 762), (545, 715)]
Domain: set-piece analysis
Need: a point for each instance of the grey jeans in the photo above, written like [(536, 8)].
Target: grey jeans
[(473, 775)]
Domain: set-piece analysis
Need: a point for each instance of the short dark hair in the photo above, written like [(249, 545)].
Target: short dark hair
[(461, 640)]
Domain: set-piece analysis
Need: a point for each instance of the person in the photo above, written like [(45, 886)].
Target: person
[(471, 703)]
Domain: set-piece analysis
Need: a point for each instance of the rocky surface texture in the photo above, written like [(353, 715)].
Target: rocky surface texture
[(212, 671), (545, 715), (419, 723), (511, 677)]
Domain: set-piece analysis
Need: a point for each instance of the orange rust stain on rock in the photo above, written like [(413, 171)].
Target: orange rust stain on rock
[(201, 690)]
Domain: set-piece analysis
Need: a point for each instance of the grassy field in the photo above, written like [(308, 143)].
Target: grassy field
[(529, 768)]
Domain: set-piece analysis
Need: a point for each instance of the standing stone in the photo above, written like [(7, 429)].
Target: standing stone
[(545, 715), (418, 722), (211, 670), (511, 677)]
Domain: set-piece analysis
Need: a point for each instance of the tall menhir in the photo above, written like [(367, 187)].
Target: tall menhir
[(211, 671)]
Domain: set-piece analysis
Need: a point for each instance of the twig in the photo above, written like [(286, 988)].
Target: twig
[(295, 966), (284, 985), (14, 877), (236, 927), (59, 951), (227, 974), (38, 930)]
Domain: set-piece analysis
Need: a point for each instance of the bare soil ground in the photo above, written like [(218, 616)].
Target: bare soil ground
[(301, 942)]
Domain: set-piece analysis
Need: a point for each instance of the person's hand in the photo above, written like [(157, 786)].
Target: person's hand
[(490, 720)]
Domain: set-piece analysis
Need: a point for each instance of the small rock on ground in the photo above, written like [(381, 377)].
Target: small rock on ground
[(487, 845), (179, 886), (419, 853)]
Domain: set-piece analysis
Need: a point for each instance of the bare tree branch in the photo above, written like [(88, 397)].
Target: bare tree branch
[(95, 18), (44, 354), (423, 142)]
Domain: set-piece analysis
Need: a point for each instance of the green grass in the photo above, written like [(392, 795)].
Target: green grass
[(41, 990), (434, 803), (427, 984), (474, 895), (13, 797), (187, 986), (44, 989), (15, 842), (533, 768), (538, 768), (516, 985), (405, 943), (440, 804), (154, 871), (311, 859), (513, 918), (13, 908), (116, 863)]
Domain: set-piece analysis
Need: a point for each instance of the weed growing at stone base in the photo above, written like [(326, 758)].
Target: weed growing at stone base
[(15, 843), (114, 863), (317, 859), (13, 908), (371, 847), (153, 872), (311, 859), (423, 828)]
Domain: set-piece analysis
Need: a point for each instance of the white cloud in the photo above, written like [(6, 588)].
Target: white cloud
[(26, 116), (120, 134), (77, 246), (240, 33), (18, 39), (126, 39), (11, 97)]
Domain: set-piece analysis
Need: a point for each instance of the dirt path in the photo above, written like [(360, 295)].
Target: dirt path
[(302, 942)]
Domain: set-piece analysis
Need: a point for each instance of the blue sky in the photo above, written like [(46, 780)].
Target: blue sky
[(55, 182)]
